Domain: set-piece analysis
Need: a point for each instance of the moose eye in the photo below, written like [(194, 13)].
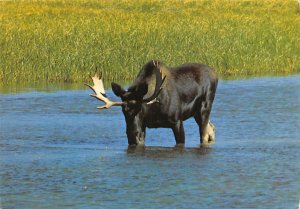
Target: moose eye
[(129, 106), (132, 107), (132, 103)]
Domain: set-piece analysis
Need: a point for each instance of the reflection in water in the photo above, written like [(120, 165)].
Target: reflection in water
[(58, 151), (165, 152)]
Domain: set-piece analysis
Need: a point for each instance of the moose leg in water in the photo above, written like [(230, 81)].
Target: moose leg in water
[(207, 132), (211, 132), (178, 131), (202, 119)]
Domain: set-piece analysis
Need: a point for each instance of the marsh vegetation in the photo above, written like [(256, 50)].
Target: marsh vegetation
[(64, 40)]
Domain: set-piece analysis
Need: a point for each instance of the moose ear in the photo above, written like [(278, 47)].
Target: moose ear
[(117, 89)]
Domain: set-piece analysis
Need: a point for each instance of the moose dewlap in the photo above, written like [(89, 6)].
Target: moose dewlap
[(178, 94)]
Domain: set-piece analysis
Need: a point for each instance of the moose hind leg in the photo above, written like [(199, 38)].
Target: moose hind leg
[(178, 131), (202, 119), (211, 132)]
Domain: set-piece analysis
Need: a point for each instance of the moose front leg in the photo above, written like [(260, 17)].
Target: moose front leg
[(141, 137), (178, 131)]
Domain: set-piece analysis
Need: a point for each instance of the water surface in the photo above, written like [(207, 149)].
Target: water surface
[(58, 151)]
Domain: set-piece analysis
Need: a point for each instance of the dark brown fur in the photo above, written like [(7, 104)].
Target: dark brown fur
[(188, 91)]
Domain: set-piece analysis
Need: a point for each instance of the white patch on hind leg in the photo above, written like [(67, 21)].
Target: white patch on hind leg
[(210, 133)]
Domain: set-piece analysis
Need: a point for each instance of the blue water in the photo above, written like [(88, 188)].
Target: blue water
[(58, 151)]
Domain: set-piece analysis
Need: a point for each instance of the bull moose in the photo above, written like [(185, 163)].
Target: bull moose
[(164, 97)]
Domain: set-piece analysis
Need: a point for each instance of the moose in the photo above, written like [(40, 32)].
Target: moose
[(164, 97)]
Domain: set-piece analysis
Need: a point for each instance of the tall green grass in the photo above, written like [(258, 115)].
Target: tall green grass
[(63, 40)]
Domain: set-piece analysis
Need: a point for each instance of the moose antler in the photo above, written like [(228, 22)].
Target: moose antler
[(98, 89), (158, 85)]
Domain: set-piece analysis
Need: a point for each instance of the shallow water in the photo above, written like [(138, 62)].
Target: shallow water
[(58, 151)]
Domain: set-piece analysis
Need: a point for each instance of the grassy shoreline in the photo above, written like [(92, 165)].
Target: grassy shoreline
[(65, 40)]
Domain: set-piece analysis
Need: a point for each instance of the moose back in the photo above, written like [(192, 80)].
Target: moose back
[(164, 97)]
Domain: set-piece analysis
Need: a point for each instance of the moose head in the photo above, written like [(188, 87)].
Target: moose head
[(132, 102)]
